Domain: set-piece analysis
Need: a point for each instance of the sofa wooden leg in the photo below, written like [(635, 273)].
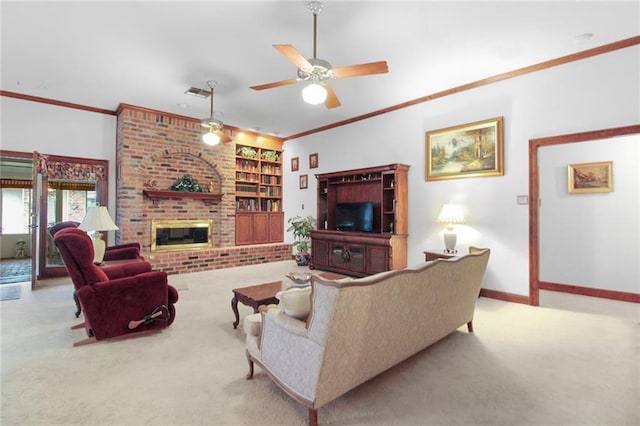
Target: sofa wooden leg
[(470, 326), (313, 417), (250, 373)]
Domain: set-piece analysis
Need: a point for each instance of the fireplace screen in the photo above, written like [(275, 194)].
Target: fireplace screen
[(173, 235)]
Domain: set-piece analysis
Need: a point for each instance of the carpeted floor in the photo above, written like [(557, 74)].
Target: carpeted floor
[(574, 361)]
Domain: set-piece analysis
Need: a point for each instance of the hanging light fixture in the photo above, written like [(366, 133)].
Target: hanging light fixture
[(215, 129), (314, 94)]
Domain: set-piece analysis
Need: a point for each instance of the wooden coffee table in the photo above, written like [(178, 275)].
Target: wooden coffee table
[(254, 296), (264, 294)]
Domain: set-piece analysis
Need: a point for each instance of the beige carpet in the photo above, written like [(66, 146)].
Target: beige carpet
[(573, 362)]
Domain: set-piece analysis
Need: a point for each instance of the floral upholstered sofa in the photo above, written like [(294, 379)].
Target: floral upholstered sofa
[(358, 328)]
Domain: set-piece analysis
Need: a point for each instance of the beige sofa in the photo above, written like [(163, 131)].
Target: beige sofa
[(358, 328)]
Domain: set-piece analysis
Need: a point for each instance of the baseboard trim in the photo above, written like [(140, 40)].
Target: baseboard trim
[(588, 291), (507, 297)]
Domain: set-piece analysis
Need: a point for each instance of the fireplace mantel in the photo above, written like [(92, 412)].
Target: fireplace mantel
[(207, 197)]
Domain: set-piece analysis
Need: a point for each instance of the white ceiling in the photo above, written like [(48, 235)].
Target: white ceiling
[(147, 53)]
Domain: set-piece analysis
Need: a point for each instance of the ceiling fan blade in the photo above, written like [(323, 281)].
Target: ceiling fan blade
[(362, 69), (225, 138), (293, 55), (332, 100), (274, 84)]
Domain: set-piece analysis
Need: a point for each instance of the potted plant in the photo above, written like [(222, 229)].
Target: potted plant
[(301, 228), (270, 155), (247, 152)]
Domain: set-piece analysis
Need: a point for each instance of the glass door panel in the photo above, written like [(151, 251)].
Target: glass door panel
[(66, 201)]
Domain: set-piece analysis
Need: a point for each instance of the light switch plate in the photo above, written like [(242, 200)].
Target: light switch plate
[(523, 199)]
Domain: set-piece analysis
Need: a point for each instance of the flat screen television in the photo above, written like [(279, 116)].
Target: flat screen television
[(354, 217)]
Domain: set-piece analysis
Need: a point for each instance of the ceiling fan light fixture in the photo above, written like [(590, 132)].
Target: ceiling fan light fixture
[(314, 94), (211, 137)]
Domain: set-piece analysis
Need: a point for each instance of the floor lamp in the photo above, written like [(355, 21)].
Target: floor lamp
[(95, 221)]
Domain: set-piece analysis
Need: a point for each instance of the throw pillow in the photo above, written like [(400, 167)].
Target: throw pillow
[(296, 301)]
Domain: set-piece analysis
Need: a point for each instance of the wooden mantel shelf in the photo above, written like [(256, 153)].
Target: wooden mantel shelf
[(207, 197)]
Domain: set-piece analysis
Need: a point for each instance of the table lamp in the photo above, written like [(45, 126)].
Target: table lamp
[(450, 214), (96, 220)]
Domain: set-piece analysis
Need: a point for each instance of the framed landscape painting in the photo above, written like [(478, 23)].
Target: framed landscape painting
[(585, 178), (469, 150)]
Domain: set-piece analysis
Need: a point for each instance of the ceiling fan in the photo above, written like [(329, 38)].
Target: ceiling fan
[(215, 133), (318, 71)]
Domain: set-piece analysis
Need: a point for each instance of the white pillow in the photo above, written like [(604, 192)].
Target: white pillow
[(296, 301)]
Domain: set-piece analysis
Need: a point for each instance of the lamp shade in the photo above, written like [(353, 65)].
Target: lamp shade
[(451, 213), (314, 94), (97, 219)]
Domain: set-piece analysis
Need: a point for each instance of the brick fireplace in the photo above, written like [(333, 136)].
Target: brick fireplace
[(154, 150)]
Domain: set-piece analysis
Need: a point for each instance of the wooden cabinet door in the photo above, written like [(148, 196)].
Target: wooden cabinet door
[(260, 228), (377, 259), (338, 256), (276, 227), (319, 253), (244, 228), (348, 257), (357, 258)]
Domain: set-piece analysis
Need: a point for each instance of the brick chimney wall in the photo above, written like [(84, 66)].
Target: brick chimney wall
[(153, 151)]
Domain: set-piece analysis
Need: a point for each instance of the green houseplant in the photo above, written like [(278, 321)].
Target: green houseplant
[(301, 228), (247, 152), (270, 155)]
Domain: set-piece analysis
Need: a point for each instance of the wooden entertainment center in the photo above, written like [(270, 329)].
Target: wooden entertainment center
[(362, 253)]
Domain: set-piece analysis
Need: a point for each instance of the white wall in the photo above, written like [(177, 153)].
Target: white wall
[(591, 240), (49, 129), (591, 94)]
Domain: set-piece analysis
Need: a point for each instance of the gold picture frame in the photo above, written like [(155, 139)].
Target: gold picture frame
[(469, 150), (585, 178)]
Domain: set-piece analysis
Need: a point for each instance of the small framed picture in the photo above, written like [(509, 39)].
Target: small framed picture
[(304, 183), (313, 160), (586, 178), (295, 164)]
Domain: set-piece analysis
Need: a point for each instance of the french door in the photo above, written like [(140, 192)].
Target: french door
[(63, 188)]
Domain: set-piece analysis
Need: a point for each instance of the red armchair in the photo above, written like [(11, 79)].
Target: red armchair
[(119, 252), (116, 300)]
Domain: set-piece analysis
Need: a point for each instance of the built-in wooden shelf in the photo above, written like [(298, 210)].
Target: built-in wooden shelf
[(207, 197)]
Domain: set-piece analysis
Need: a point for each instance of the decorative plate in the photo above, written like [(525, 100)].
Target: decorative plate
[(299, 278)]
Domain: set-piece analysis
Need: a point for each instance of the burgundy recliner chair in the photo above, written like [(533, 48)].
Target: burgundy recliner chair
[(119, 252), (116, 300)]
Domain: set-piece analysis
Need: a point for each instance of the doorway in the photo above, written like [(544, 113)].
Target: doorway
[(16, 171), (59, 189), (535, 282)]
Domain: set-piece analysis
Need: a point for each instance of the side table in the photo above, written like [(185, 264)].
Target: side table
[(430, 255)]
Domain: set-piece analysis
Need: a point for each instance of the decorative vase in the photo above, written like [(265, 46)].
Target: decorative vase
[(302, 259)]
